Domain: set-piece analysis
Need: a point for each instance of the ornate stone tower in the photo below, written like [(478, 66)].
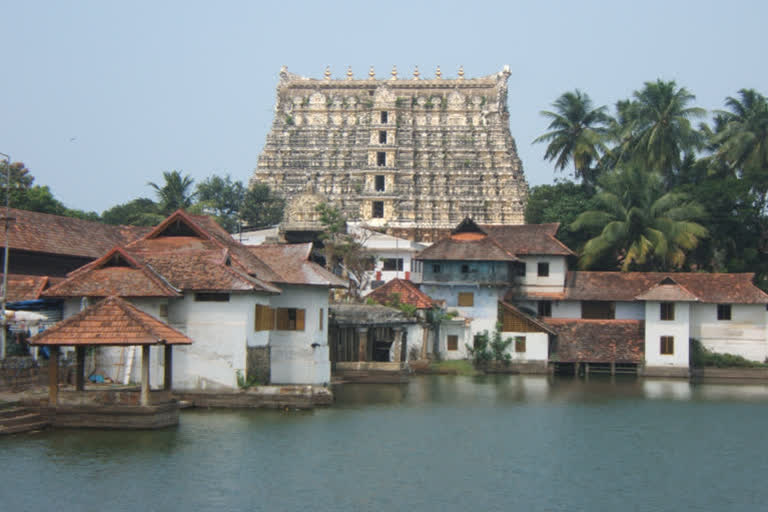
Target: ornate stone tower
[(397, 153)]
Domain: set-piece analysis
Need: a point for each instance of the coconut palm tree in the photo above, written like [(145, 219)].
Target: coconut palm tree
[(577, 130), (641, 227), (741, 138), (175, 193), (657, 126)]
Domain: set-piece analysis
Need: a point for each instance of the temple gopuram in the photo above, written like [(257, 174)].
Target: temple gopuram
[(412, 156)]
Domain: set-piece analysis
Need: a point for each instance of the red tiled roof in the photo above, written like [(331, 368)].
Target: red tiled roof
[(406, 291), (291, 264), (629, 286), (535, 321), (111, 321), (54, 234), (115, 273), (458, 248), (668, 291), (23, 287), (205, 270), (598, 341), (529, 239)]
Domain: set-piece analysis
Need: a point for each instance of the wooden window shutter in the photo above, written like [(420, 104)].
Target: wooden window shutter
[(299, 319)]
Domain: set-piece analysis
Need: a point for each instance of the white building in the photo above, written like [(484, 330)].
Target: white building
[(254, 312)]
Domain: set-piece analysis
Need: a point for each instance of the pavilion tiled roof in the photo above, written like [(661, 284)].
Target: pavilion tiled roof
[(598, 341), (115, 273), (54, 234), (406, 292), (111, 321), (292, 265), (630, 286)]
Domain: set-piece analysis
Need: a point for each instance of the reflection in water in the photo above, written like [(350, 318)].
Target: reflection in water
[(501, 442)]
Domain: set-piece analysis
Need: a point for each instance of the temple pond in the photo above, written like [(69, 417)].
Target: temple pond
[(438, 443)]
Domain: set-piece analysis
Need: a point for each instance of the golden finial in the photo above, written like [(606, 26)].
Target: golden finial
[(394, 72), (371, 74), (438, 73), (349, 73), (327, 72), (416, 73), (461, 72)]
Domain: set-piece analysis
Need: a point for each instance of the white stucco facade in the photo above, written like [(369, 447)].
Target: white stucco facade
[(745, 334), (678, 329)]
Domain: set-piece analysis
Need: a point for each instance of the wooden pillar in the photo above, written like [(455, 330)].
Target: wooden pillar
[(53, 377), (576, 369), (362, 344), (613, 368), (168, 367), (80, 368), (145, 375), (586, 370)]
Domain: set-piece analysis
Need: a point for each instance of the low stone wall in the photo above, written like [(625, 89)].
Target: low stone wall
[(18, 373), (126, 417), (370, 372), (663, 371), (109, 397), (730, 373), (262, 397), (518, 368)]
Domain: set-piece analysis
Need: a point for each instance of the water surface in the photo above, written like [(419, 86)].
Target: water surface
[(439, 443)]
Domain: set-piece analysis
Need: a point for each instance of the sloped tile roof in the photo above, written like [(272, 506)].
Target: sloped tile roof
[(598, 341), (529, 239), (205, 270), (629, 286), (520, 314), (668, 291), (23, 287), (111, 321), (115, 273), (466, 248), (292, 265), (54, 234), (406, 291)]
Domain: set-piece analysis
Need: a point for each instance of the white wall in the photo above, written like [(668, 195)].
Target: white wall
[(294, 360), (655, 328), (484, 312), (219, 333), (458, 328), (536, 346), (550, 284), (745, 334)]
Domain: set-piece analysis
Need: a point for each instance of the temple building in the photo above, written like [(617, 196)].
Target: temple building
[(410, 155)]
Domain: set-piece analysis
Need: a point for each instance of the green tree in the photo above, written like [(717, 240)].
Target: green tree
[(656, 129), (175, 193), (261, 207), (577, 131), (138, 212), (741, 139), (641, 226), (223, 198), (562, 203)]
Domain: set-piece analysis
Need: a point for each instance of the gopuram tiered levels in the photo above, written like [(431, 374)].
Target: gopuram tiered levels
[(411, 155)]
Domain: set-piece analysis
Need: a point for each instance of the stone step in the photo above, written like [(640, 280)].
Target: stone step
[(20, 419), (11, 412), (24, 427)]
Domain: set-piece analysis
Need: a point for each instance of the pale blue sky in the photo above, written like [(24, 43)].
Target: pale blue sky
[(98, 98)]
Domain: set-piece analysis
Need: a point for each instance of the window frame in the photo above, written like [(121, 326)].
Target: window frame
[(387, 265), (466, 299), (377, 209), (384, 117), (667, 345), (667, 311), (211, 297), (724, 312), (542, 269), (520, 344), (544, 308), (382, 136), (289, 319), (451, 340), (381, 159), (379, 183)]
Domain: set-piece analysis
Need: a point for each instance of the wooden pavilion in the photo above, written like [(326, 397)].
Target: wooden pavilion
[(111, 322)]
